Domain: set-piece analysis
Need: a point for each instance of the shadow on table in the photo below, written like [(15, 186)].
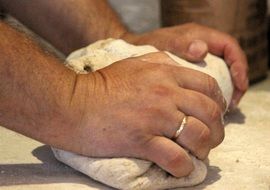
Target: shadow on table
[(47, 172), (234, 117)]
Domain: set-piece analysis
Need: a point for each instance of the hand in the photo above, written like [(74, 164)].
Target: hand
[(192, 42), (137, 106)]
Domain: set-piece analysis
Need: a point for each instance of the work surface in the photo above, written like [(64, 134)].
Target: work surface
[(242, 161)]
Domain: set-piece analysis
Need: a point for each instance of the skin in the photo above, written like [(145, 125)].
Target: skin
[(192, 42), (131, 108)]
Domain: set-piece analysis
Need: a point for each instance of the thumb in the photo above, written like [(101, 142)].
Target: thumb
[(195, 51), (169, 156)]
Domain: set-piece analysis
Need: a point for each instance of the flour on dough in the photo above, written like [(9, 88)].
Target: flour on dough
[(128, 173)]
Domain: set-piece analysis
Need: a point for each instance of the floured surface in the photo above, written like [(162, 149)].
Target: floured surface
[(242, 161)]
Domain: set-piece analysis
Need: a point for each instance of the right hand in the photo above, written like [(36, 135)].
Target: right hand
[(133, 108)]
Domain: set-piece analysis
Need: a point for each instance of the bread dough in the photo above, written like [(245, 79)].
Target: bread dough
[(105, 52), (128, 173)]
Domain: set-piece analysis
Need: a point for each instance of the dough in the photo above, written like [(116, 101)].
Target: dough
[(105, 52), (127, 173)]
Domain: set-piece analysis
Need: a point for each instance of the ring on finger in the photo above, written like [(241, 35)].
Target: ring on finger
[(181, 127)]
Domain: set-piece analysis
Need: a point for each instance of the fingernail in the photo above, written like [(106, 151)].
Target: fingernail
[(197, 48)]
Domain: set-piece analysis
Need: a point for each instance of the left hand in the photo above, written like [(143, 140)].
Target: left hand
[(192, 42)]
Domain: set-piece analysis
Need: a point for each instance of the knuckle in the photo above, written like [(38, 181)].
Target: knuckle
[(138, 134), (233, 40), (215, 113), (155, 120), (201, 149), (175, 43), (212, 85), (204, 137), (218, 138), (229, 38), (215, 118), (162, 71), (156, 112), (215, 92), (161, 90), (176, 161)]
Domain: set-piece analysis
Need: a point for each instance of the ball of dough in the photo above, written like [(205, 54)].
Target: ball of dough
[(127, 173)]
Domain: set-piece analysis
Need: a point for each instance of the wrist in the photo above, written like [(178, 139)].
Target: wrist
[(79, 112), (87, 107)]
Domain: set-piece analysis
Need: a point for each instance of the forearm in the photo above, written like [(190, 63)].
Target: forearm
[(35, 89), (67, 24)]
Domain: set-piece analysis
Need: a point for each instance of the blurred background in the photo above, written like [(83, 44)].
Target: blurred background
[(247, 20)]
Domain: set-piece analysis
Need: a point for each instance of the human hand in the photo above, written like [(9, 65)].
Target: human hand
[(134, 107), (192, 42)]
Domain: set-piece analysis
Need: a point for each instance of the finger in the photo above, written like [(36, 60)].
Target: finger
[(204, 109), (197, 81), (189, 78), (239, 71), (197, 50), (191, 50), (239, 90), (195, 137), (222, 44), (237, 95), (169, 156)]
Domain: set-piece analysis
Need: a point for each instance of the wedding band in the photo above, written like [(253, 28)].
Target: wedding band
[(182, 126)]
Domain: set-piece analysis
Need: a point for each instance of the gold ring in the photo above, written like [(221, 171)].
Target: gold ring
[(178, 132)]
